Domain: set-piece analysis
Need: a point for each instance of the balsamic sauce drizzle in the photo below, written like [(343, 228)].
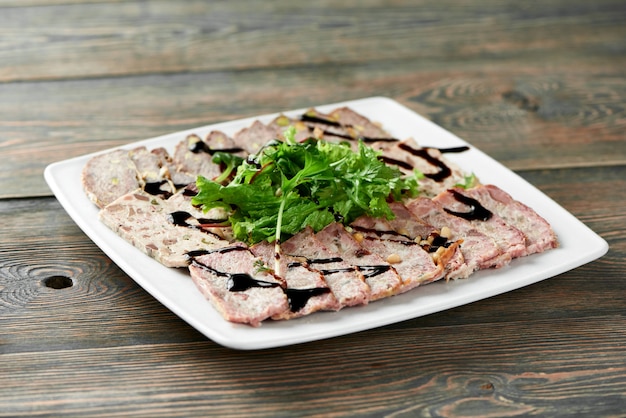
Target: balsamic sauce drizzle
[(298, 298), (477, 211), (444, 171), (154, 188), (201, 146), (317, 119), (180, 217), (240, 282), (372, 271)]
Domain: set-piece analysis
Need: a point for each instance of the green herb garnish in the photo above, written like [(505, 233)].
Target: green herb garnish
[(469, 181), (290, 185)]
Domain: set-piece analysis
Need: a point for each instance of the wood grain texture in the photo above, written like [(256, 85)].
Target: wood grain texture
[(536, 367), (579, 120), (133, 37), (103, 347), (539, 86)]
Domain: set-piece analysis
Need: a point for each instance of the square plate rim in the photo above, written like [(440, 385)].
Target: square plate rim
[(438, 296)]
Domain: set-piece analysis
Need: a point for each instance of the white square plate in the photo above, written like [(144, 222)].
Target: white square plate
[(174, 288)]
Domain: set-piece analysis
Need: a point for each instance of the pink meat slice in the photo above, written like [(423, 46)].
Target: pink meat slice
[(306, 289), (538, 232), (381, 277), (510, 240), (232, 281), (479, 250), (345, 281), (412, 263)]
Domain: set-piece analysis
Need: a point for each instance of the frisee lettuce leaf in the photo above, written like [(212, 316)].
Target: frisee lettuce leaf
[(290, 185)]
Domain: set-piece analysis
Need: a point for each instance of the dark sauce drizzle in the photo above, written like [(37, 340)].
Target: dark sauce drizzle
[(325, 121), (298, 298), (240, 282), (444, 171), (324, 260), (179, 218), (201, 146), (154, 188), (477, 211), (372, 271)]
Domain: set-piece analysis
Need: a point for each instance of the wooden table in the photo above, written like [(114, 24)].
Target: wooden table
[(539, 86)]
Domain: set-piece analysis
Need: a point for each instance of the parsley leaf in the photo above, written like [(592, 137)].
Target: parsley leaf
[(290, 185)]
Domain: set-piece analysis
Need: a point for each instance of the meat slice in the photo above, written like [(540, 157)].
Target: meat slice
[(439, 173), (252, 138), (160, 228), (195, 156), (408, 224), (360, 127), (538, 232), (230, 278), (177, 176), (479, 250), (413, 263), (306, 289), (152, 171), (345, 281), (282, 122), (108, 176), (380, 276), (510, 240)]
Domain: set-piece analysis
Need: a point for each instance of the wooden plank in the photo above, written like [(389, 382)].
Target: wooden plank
[(577, 116), (104, 308), (558, 368), (138, 37)]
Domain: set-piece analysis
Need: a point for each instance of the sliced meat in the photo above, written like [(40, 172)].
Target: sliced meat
[(479, 250), (235, 285), (108, 176), (159, 228), (380, 276), (306, 289), (152, 172), (408, 224), (345, 281), (281, 123), (412, 263), (178, 177), (510, 240), (254, 137), (538, 232), (191, 156), (360, 127)]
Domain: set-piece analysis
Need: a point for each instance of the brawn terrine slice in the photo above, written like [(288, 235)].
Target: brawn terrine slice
[(160, 228), (510, 240), (381, 277), (345, 281), (479, 250), (108, 176), (237, 285), (306, 289), (538, 232)]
